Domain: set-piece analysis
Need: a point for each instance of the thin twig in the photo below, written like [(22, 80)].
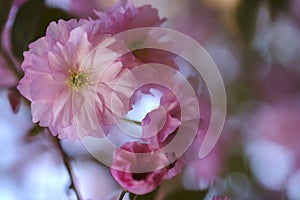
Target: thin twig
[(122, 194), (135, 197), (67, 163)]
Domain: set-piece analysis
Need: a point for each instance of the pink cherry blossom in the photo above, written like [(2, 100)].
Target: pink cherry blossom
[(163, 121), (159, 126), (175, 167), (67, 79), (124, 167), (124, 16)]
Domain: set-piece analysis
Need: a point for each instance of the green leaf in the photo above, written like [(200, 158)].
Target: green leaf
[(246, 16), (5, 6), (31, 23)]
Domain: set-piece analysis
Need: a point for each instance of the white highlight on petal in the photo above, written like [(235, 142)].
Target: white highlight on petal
[(146, 104)]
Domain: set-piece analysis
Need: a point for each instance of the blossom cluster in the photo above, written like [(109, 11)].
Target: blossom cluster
[(116, 92), (73, 77)]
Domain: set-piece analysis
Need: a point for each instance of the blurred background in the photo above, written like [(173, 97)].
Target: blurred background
[(256, 46)]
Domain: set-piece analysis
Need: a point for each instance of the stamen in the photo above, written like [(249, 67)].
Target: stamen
[(79, 79)]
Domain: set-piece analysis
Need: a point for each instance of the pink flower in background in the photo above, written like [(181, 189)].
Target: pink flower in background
[(67, 78), (202, 173), (83, 8), (7, 78), (277, 122), (273, 139), (124, 16), (138, 183), (278, 85)]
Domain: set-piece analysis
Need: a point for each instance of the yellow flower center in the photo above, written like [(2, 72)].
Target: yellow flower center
[(78, 79)]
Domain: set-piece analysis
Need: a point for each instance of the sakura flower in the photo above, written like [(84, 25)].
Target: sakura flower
[(160, 125), (163, 121), (126, 165), (67, 79), (124, 16)]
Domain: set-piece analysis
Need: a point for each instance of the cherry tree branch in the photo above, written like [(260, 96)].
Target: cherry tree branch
[(67, 163), (122, 194)]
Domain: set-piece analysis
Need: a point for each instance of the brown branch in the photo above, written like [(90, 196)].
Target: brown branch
[(67, 163), (122, 194)]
